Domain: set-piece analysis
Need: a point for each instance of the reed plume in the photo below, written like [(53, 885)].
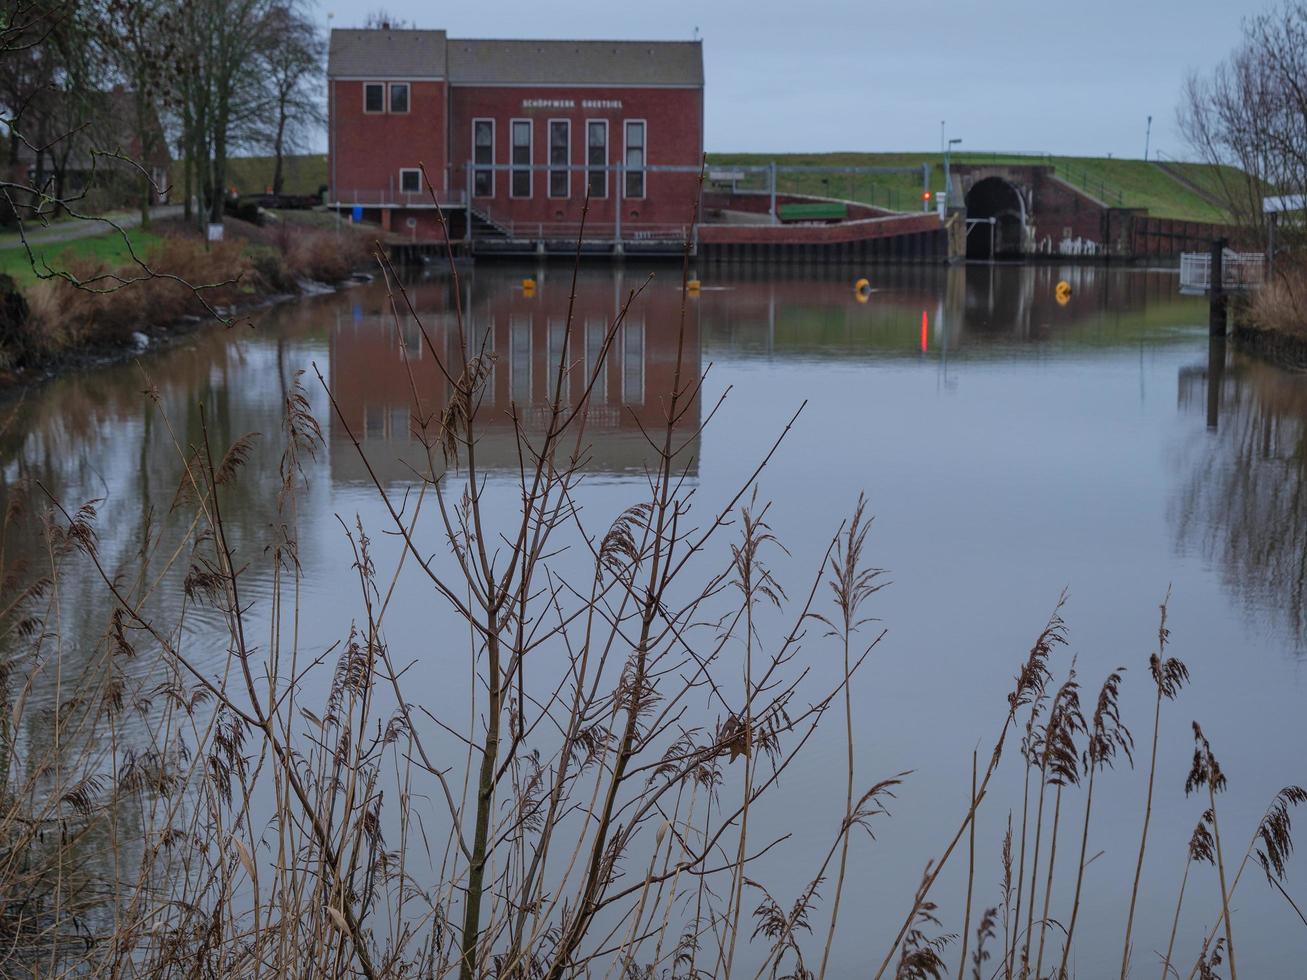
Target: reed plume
[(1199, 849), (1169, 675), (1108, 736), (1205, 773), (852, 583), (1276, 835), (1059, 766)]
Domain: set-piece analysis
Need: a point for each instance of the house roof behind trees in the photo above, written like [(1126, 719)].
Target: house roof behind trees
[(98, 129), (385, 53)]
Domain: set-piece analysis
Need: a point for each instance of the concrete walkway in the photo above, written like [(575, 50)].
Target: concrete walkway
[(69, 230)]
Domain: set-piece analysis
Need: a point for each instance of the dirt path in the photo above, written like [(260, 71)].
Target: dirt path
[(70, 230)]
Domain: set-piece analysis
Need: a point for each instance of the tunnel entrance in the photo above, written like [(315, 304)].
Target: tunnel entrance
[(995, 198)]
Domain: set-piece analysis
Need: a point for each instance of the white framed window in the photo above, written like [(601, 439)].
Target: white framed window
[(411, 331), (374, 97), (483, 157), (557, 360), (560, 158), (596, 367), (635, 158), (399, 97), (596, 157), (519, 357), (520, 139), (401, 426), (633, 362), (410, 180), (481, 343)]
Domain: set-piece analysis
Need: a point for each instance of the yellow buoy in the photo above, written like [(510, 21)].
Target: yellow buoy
[(862, 290), (692, 285), (1062, 291), (528, 285)]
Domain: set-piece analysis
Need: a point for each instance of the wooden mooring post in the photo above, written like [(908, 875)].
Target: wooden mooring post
[(1216, 290)]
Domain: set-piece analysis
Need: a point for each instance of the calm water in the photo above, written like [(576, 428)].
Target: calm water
[(1009, 446)]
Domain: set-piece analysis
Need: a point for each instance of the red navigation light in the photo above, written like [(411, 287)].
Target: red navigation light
[(925, 195), (925, 321)]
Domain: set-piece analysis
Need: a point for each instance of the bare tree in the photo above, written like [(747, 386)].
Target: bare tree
[(1248, 116), (222, 96), (140, 37), (382, 19), (291, 62)]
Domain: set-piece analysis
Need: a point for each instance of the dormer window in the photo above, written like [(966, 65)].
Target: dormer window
[(399, 97), (374, 97)]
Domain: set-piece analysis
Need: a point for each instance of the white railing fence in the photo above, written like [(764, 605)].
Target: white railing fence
[(1239, 270)]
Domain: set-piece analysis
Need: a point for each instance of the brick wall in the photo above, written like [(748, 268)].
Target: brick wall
[(1061, 218), (367, 150), (1165, 237), (673, 135)]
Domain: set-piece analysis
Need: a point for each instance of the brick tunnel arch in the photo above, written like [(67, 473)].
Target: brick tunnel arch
[(995, 197)]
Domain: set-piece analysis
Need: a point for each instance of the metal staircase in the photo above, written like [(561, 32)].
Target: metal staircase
[(483, 225)]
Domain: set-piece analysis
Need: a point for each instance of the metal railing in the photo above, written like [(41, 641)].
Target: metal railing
[(558, 231), (616, 173), (1105, 192), (1239, 270), (373, 197)]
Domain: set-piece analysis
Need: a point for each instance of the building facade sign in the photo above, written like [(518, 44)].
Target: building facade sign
[(571, 103)]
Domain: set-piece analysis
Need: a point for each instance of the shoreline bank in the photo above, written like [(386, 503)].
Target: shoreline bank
[(53, 327), (1281, 348)]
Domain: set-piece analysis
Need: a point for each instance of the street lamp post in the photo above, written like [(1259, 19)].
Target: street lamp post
[(948, 185)]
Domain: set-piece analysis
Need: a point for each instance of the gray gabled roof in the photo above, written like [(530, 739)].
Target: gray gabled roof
[(385, 53), (482, 62), (366, 53)]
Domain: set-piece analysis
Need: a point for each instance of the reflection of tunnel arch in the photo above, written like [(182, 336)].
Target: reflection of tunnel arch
[(994, 197)]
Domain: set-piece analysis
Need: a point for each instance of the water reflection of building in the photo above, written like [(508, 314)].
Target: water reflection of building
[(1241, 501), (914, 310), (382, 387)]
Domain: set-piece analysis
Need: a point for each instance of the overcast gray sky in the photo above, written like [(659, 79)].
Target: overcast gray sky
[(1042, 75)]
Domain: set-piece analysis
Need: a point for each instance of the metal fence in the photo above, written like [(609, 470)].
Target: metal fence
[(1239, 270), (390, 197), (556, 231)]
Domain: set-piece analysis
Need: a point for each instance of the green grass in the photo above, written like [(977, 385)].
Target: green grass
[(1216, 183), (304, 173), (109, 250), (1145, 185), (1128, 183)]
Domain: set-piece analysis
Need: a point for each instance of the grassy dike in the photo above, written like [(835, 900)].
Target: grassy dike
[(1182, 191)]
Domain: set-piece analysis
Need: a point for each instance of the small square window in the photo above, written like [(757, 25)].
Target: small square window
[(374, 97), (399, 97), (410, 181)]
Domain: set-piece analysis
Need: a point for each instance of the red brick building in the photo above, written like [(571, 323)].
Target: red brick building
[(512, 134)]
